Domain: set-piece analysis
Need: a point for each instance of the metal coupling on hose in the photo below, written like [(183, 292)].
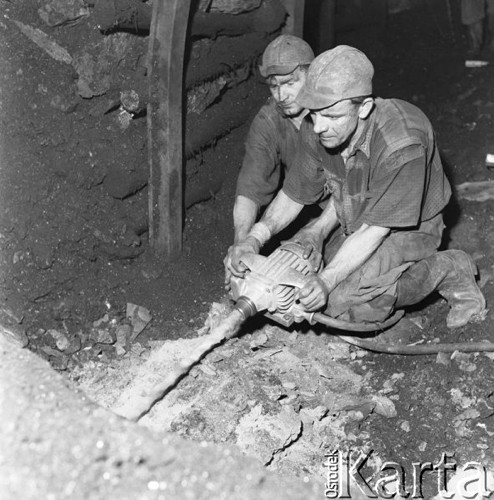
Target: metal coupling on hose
[(246, 306)]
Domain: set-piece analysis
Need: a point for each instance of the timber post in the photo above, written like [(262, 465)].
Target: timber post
[(294, 24), (166, 53)]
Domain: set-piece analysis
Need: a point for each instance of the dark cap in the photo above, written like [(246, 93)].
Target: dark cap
[(340, 73), (284, 54)]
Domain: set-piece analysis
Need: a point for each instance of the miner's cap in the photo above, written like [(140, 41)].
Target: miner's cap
[(284, 54), (343, 72)]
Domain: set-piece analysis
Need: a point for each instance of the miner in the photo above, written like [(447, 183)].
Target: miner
[(379, 162), (271, 143)]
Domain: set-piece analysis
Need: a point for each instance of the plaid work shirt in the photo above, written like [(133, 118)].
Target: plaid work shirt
[(270, 149), (392, 178)]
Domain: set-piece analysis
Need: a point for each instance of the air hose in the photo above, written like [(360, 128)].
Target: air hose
[(350, 326), (382, 347)]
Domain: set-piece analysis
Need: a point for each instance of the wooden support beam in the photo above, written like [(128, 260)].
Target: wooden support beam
[(165, 125), (294, 24)]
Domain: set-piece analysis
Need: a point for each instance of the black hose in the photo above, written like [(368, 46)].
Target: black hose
[(382, 347), (350, 326)]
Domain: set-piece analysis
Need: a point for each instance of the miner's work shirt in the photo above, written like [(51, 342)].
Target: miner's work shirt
[(392, 178), (270, 149)]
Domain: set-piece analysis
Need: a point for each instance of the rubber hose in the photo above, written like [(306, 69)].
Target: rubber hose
[(410, 350), (350, 326)]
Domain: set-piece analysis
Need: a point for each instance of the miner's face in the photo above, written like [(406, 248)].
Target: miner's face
[(284, 89)]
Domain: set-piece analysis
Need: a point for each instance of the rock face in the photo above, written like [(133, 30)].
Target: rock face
[(96, 64), (63, 12), (229, 6), (56, 443)]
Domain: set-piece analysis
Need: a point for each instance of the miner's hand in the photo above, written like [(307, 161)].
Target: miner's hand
[(233, 260), (314, 294), (312, 244)]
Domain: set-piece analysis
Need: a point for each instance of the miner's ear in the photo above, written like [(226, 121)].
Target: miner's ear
[(366, 108)]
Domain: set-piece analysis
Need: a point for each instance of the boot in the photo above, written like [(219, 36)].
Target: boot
[(452, 274)]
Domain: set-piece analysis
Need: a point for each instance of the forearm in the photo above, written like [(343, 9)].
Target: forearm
[(244, 216), (278, 215), (281, 212), (323, 225), (354, 252)]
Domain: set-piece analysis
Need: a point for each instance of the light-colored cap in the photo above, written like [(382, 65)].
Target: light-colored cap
[(284, 54), (340, 73)]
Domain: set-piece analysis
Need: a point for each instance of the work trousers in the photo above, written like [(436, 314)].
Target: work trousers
[(370, 292)]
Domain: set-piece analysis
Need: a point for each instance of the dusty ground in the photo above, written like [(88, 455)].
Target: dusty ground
[(63, 238)]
